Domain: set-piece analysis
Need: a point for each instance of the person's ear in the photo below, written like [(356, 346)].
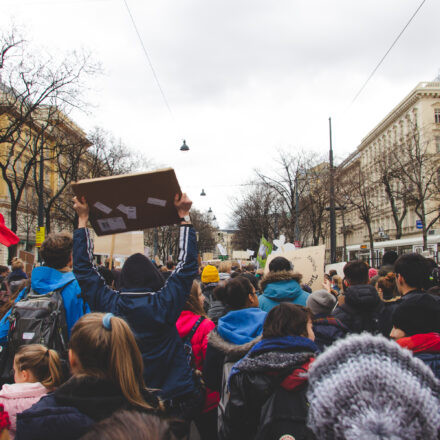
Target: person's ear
[(25, 374), (75, 365)]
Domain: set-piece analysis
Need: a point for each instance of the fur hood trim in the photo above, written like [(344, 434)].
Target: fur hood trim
[(282, 275), (232, 351)]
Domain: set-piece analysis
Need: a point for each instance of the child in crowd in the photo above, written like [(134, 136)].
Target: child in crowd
[(107, 376), (268, 386), (193, 321), (37, 370)]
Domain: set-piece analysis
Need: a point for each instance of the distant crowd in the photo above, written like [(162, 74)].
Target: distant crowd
[(216, 352)]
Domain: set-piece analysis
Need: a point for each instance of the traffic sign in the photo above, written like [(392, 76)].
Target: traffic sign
[(419, 224)]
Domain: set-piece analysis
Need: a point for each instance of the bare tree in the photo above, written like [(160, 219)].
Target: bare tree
[(418, 170), (31, 83)]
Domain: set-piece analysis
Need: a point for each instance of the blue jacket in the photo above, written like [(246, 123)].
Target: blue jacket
[(151, 315), (44, 280), (280, 287), (432, 360)]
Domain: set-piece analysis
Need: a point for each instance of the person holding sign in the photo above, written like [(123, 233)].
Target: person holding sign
[(150, 307)]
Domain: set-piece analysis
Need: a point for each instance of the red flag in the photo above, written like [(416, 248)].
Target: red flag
[(7, 237)]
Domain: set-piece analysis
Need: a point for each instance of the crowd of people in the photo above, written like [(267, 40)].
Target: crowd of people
[(216, 352)]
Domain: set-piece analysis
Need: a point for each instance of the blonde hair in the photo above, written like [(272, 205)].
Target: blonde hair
[(110, 354), (42, 362), (193, 302), (338, 281), (225, 267), (17, 263)]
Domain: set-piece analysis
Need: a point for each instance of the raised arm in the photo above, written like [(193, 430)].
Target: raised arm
[(98, 295), (172, 297)]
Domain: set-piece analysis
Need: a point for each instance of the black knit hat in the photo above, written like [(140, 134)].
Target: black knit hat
[(418, 314), (139, 273)]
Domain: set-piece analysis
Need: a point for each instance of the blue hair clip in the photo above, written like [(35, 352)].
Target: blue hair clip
[(106, 323)]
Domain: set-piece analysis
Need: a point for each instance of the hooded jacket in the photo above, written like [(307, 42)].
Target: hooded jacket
[(199, 344), (327, 330), (44, 280), (18, 397), (271, 364), (282, 286), (236, 333), (426, 347), (213, 307), (73, 408), (362, 310), (152, 315)]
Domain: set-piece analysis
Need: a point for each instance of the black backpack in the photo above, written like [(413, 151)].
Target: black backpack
[(284, 415), (36, 319)]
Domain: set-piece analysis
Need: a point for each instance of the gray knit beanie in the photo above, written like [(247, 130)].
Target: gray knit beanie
[(321, 302), (366, 387)]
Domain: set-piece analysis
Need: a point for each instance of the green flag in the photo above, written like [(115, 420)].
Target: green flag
[(263, 252)]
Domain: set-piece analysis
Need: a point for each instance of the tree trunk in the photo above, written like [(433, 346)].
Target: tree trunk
[(371, 239), (12, 250), (47, 221)]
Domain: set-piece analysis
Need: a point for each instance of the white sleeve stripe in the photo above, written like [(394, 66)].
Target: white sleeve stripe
[(183, 242), (90, 253)]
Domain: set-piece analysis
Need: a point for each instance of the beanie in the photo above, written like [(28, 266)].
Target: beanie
[(372, 272), (210, 275), (139, 273), (367, 387), (418, 314), (321, 302)]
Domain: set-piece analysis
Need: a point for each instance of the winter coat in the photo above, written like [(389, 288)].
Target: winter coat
[(73, 408), (271, 364), (236, 333), (199, 343), (17, 275), (327, 330), (426, 347), (44, 280), (388, 307), (362, 309), (152, 316), (282, 286), (18, 397), (213, 307)]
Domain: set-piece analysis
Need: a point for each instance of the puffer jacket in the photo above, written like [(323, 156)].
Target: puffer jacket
[(426, 347), (73, 408), (271, 364), (362, 310), (327, 330), (199, 343), (236, 333), (282, 286), (18, 397), (152, 316)]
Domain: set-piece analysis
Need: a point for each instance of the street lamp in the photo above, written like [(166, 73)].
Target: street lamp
[(184, 147), (203, 193), (209, 211)]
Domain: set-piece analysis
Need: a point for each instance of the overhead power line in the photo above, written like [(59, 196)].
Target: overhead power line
[(147, 56), (387, 52)]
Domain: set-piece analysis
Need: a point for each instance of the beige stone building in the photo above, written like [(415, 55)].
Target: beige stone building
[(417, 116)]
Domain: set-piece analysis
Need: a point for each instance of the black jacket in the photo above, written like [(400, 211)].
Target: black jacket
[(213, 307), (268, 392), (327, 330), (73, 408), (362, 310)]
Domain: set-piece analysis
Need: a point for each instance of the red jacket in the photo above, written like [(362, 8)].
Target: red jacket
[(199, 344)]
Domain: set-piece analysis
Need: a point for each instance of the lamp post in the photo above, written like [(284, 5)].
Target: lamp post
[(332, 201)]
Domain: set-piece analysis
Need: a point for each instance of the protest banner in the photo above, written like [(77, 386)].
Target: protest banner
[(120, 245), (130, 202), (338, 267), (309, 262), (263, 251)]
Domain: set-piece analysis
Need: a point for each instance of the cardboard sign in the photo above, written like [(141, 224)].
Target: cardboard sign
[(338, 267), (122, 245), (130, 202), (307, 261), (28, 260)]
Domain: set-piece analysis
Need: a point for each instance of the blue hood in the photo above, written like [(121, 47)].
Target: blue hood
[(241, 326), (45, 279), (280, 291)]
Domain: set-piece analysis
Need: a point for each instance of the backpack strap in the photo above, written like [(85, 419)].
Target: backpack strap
[(194, 328)]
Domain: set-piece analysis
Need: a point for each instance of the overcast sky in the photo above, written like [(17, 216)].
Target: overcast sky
[(242, 78)]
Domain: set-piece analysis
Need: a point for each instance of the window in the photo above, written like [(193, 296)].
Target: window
[(437, 144), (437, 115)]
